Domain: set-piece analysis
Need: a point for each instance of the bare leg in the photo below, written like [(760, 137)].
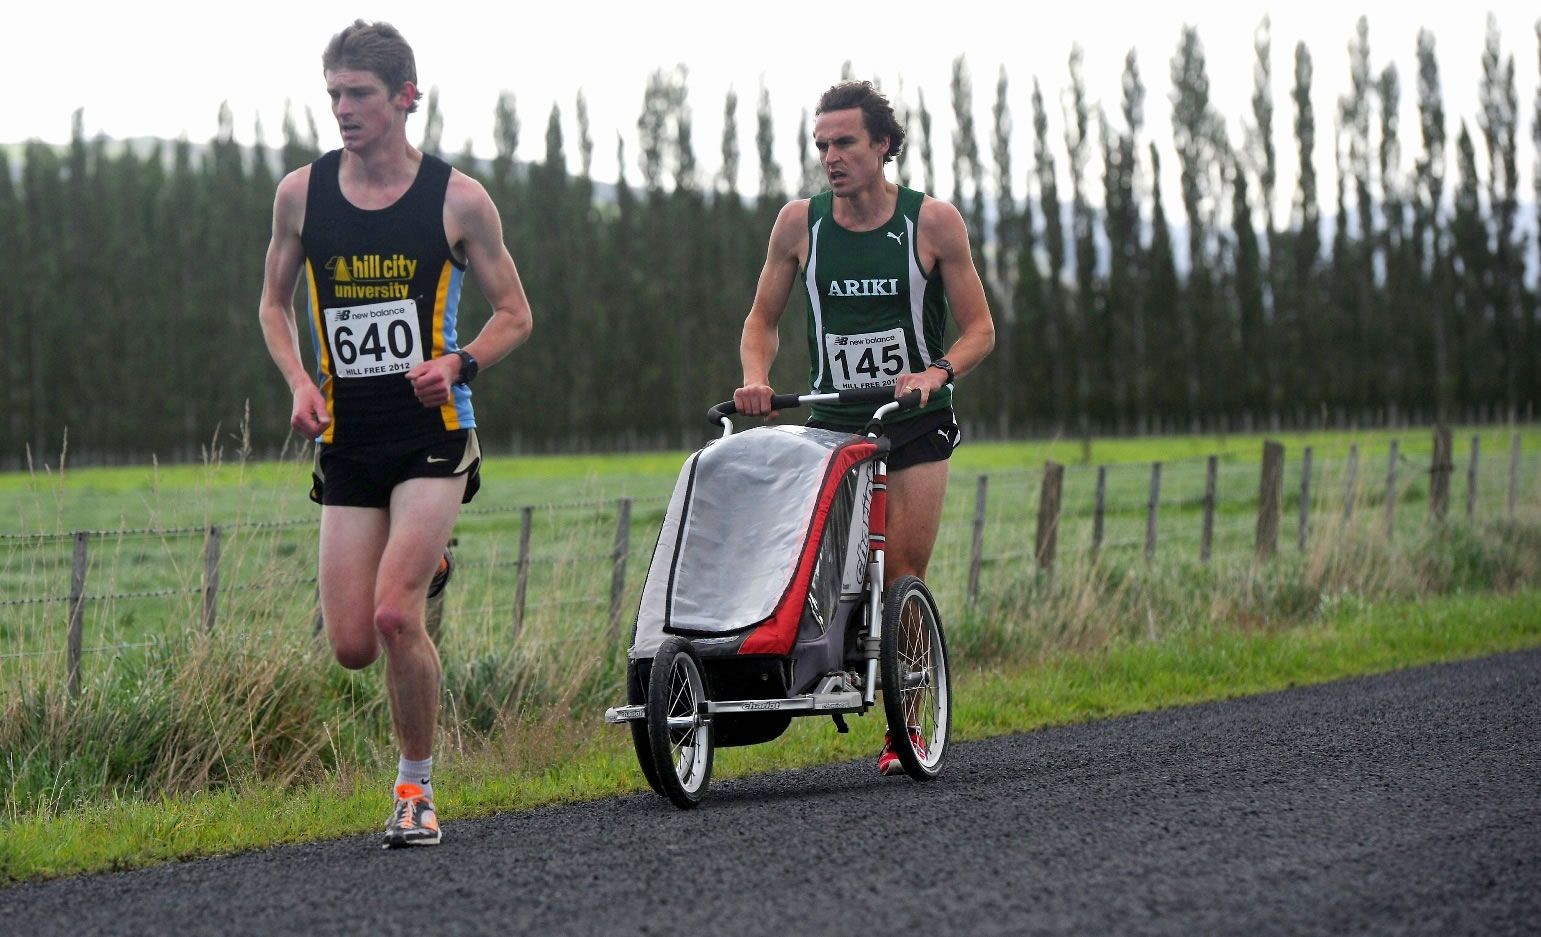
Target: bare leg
[(914, 516), (352, 540), (422, 516)]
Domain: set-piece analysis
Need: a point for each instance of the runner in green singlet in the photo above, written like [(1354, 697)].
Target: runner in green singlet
[(881, 267)]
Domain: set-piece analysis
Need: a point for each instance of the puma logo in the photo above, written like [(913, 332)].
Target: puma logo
[(432, 459), (897, 236)]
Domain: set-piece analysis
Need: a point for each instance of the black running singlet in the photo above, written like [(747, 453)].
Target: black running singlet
[(384, 290)]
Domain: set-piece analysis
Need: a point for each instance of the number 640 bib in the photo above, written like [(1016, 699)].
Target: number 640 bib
[(380, 338)]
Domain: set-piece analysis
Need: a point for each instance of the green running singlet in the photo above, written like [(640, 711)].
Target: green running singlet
[(873, 313)]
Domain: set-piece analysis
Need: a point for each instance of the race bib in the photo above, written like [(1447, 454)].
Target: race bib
[(380, 338), (870, 359)]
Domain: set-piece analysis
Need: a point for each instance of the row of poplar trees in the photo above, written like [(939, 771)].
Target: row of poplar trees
[(132, 272)]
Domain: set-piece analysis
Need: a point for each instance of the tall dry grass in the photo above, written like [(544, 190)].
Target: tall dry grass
[(1089, 602)]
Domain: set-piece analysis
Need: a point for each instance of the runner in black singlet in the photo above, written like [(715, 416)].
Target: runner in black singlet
[(384, 235)]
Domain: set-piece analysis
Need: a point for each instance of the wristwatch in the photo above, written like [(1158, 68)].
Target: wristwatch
[(468, 366), (945, 365)]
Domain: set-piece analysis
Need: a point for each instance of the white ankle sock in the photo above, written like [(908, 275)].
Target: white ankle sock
[(416, 772)]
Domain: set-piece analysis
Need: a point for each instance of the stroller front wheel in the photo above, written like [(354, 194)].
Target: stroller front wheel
[(680, 737), (917, 684)]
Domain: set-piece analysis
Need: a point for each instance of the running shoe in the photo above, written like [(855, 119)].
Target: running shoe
[(888, 759), (414, 821), (441, 576)]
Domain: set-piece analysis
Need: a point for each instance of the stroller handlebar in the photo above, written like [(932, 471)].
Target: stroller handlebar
[(718, 414)]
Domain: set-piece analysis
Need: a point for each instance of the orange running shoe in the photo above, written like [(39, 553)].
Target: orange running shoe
[(441, 576), (414, 822)]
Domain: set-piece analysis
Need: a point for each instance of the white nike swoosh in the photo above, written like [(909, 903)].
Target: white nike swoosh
[(432, 459)]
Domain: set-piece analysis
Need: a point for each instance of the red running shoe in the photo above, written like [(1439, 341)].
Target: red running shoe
[(888, 760)]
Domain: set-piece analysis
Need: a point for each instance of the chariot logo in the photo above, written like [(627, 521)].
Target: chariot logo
[(763, 704), (888, 287)]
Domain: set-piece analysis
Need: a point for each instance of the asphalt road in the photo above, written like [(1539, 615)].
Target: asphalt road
[(1403, 804)]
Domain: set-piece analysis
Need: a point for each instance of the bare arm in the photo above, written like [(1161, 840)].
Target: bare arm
[(471, 223), (945, 237), (760, 340), (280, 331)]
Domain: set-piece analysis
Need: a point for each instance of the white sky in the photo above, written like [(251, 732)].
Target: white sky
[(162, 68)]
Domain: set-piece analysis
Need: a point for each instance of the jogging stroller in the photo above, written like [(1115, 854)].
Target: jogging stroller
[(764, 601)]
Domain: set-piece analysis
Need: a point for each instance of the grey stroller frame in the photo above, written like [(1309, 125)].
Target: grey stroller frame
[(764, 601)]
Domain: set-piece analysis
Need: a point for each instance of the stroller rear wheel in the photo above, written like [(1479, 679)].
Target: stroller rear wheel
[(679, 736), (917, 684), (636, 695)]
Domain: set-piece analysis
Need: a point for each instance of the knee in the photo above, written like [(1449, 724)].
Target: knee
[(357, 654), (393, 623)]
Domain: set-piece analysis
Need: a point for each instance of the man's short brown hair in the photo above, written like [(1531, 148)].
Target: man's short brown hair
[(377, 48), (877, 114)]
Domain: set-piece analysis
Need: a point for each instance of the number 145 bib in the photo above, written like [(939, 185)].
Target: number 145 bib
[(380, 338), (869, 359)]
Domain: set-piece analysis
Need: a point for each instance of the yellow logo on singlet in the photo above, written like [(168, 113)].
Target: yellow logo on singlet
[(372, 276)]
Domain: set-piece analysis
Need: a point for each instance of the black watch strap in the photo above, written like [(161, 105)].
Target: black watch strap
[(468, 366), (945, 365)]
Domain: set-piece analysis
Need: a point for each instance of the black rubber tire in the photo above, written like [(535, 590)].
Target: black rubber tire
[(636, 695), (682, 759), (912, 652)]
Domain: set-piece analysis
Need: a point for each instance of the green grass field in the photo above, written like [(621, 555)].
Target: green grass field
[(179, 739), (146, 551)]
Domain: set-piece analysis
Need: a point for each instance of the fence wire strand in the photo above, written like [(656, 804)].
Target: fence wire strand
[(1126, 502)]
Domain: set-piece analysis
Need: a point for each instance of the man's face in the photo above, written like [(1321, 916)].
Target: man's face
[(850, 157), (363, 107)]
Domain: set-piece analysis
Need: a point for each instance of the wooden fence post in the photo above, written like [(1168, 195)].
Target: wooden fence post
[(1305, 500), (1440, 470), (1514, 473), (1351, 484), (211, 543), (1151, 507), (618, 559), (1471, 478), (1099, 511), (1391, 489), (1270, 492), (977, 547), (77, 609), (1207, 537), (522, 576), (1048, 514)]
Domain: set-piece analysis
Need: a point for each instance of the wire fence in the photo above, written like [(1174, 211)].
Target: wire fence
[(578, 566)]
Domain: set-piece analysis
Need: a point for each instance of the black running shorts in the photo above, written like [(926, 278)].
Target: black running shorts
[(930, 437), (362, 476)]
